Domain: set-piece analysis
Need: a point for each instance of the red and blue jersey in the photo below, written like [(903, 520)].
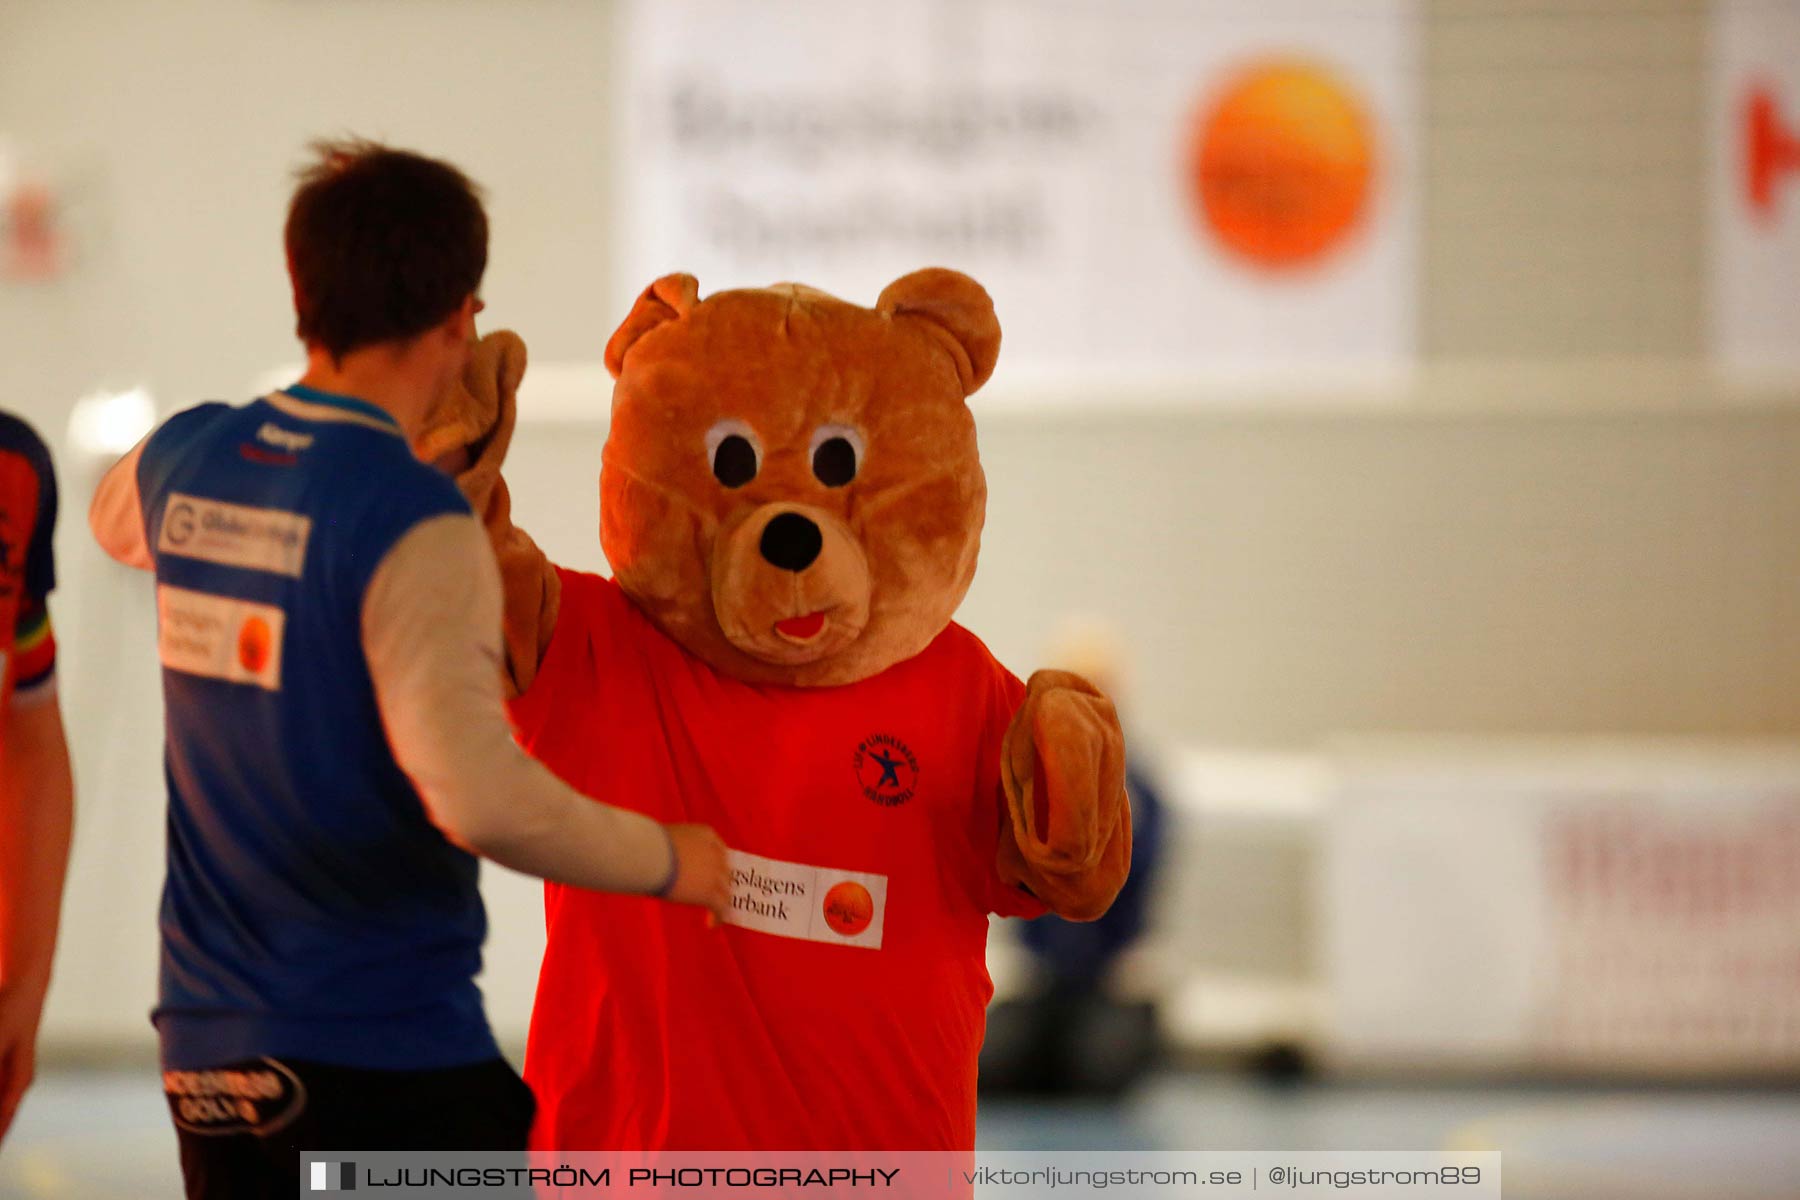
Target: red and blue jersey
[(27, 566)]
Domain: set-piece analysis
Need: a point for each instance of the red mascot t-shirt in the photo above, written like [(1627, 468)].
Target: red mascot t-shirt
[(843, 1008)]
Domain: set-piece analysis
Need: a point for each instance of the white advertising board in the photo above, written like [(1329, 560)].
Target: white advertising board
[(1175, 189), (1626, 908)]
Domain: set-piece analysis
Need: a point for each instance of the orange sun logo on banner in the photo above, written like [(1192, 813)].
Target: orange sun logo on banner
[(1282, 165)]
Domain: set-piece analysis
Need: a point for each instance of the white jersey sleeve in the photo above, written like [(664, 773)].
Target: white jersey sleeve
[(431, 634)]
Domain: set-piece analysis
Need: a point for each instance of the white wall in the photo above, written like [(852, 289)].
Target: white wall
[(183, 118)]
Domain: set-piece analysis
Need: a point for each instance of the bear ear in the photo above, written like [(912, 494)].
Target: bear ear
[(668, 299), (961, 310)]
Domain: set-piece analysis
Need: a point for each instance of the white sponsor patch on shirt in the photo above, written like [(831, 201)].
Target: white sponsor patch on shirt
[(283, 439), (234, 535), (219, 637), (816, 904)]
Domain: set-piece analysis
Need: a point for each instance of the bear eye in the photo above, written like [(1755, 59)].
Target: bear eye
[(731, 447), (836, 454), (734, 462)]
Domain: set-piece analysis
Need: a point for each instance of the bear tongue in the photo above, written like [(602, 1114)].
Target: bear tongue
[(802, 627)]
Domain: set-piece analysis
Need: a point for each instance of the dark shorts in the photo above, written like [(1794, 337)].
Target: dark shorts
[(243, 1126)]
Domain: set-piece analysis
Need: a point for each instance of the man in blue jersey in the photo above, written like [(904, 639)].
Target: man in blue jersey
[(329, 623)]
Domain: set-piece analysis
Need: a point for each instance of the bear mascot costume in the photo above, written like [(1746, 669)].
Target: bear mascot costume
[(791, 501)]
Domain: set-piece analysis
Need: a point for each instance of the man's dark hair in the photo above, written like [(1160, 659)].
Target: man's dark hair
[(382, 245)]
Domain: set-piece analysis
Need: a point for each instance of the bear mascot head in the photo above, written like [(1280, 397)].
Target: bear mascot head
[(791, 487)]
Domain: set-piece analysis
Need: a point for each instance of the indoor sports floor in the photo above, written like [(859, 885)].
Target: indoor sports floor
[(103, 1135)]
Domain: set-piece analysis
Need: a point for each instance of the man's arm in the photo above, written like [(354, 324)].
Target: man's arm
[(431, 633), (117, 513), (37, 808), (36, 801), (37, 814)]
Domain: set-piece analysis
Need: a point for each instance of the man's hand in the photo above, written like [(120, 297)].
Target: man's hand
[(702, 870), (21, 1006)]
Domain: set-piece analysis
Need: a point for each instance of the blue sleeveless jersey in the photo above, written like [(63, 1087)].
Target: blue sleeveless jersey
[(311, 910)]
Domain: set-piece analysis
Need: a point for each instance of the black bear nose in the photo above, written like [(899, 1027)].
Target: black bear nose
[(791, 542)]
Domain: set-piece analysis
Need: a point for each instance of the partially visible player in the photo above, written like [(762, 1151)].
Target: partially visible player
[(36, 794), (328, 614)]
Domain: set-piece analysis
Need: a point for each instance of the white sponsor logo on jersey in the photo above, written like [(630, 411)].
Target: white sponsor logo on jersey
[(234, 535), (283, 439), (816, 904), (219, 637)]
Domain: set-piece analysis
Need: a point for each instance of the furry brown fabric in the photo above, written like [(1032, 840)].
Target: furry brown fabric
[(471, 426)]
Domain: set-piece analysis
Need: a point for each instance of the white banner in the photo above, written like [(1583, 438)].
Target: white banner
[(1160, 188), (1753, 128), (1633, 907)]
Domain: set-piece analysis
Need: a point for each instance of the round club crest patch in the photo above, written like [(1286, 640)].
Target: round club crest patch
[(886, 770)]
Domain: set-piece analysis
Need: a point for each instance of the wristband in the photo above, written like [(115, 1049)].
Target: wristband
[(668, 884)]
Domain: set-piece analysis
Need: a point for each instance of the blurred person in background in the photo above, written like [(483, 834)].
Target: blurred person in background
[(1071, 1033), (37, 806), (337, 749)]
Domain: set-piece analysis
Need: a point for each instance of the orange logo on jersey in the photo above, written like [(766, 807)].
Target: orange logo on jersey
[(253, 645), (849, 908)]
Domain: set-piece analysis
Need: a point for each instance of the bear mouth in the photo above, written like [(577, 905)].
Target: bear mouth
[(803, 628)]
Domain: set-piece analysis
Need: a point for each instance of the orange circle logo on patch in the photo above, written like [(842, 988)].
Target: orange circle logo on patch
[(253, 645), (1282, 165), (849, 908)]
